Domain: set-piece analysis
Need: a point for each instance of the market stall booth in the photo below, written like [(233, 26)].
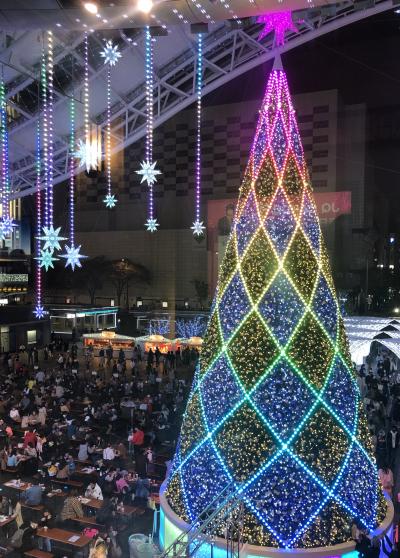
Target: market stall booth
[(106, 339)]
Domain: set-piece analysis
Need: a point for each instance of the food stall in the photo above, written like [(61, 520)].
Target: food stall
[(107, 338), (153, 341)]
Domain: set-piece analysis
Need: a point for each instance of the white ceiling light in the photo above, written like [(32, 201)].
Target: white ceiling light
[(145, 6), (91, 7)]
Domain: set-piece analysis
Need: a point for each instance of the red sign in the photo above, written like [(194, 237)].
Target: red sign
[(332, 204)]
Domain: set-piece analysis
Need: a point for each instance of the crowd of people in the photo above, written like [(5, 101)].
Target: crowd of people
[(67, 417)]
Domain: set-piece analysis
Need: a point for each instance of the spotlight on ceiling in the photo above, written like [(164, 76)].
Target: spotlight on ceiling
[(91, 7), (144, 6)]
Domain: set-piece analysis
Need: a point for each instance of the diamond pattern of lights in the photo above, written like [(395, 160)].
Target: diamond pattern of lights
[(73, 256), (51, 238), (275, 407), (148, 172), (110, 53), (110, 201)]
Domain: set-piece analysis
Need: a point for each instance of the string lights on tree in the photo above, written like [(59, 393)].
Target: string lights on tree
[(148, 170), (72, 253), (275, 408), (111, 55), (198, 226)]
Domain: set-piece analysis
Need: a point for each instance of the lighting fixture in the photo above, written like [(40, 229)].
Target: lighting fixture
[(145, 6), (91, 7)]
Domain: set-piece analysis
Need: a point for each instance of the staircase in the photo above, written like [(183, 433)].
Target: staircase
[(224, 513)]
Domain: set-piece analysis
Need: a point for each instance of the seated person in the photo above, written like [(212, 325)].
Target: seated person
[(4, 505), (72, 508), (12, 459), (63, 471), (14, 415), (32, 495), (94, 491)]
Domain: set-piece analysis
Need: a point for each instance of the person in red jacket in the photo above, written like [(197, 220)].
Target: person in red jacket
[(137, 439)]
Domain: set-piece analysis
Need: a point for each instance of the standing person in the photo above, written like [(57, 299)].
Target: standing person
[(45, 521), (393, 444), (137, 439)]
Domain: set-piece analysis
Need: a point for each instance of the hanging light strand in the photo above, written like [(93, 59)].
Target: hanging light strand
[(86, 99), (72, 175), (149, 124), (108, 131), (38, 275), (148, 169), (198, 227), (45, 137), (50, 64), (4, 154)]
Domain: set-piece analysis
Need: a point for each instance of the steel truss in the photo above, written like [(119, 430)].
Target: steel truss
[(227, 54)]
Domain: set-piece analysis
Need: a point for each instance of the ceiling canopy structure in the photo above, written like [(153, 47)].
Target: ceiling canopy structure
[(231, 47)]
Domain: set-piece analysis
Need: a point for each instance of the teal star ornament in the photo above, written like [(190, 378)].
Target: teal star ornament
[(39, 312), (46, 259), (198, 228), (152, 225), (110, 53), (110, 201), (73, 256), (148, 172), (51, 238)]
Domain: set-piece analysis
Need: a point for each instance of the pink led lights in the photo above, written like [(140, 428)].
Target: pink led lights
[(279, 22)]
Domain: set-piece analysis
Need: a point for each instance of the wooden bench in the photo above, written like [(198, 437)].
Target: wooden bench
[(36, 553), (67, 482), (88, 521)]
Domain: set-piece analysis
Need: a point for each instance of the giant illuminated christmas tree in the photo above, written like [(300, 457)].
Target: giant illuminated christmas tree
[(275, 406)]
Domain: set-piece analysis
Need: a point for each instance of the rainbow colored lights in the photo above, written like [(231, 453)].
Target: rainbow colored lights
[(275, 406), (148, 169)]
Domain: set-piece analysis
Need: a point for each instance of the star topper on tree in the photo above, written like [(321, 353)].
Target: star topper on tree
[(279, 22)]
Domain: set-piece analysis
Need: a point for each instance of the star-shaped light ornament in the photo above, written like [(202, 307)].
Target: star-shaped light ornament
[(110, 201), (110, 53), (46, 259), (198, 228), (152, 225), (148, 172), (73, 256), (6, 226), (51, 238), (39, 312), (279, 22)]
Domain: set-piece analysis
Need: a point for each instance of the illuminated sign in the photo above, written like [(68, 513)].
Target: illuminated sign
[(13, 277)]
